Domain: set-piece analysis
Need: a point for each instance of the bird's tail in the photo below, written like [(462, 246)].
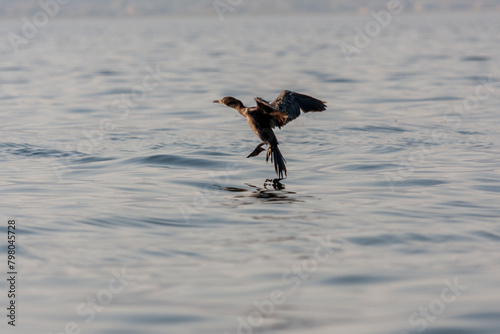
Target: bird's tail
[(274, 153)]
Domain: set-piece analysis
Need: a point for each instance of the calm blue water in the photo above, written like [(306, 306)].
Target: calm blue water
[(139, 213)]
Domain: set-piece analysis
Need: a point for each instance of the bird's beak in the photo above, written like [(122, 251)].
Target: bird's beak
[(216, 101)]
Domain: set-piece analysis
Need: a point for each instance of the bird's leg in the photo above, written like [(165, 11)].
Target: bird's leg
[(257, 150), (269, 154)]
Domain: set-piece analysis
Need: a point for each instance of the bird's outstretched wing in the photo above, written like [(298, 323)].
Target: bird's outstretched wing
[(291, 103), (288, 105), (277, 117)]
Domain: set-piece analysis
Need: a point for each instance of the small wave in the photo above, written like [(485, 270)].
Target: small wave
[(108, 73), (357, 280), (400, 75), (12, 69), (410, 183), (426, 99), (88, 160), (27, 150), (329, 78), (367, 167), (176, 160), (463, 132), (212, 153), (386, 149), (161, 318), (489, 188), (81, 110), (489, 316), (113, 221), (371, 128), (476, 58), (114, 91), (487, 235), (460, 204), (383, 239)]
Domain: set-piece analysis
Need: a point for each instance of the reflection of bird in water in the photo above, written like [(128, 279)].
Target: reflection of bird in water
[(269, 184), (274, 183), (266, 116), (272, 191)]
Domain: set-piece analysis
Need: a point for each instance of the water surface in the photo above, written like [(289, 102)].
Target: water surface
[(115, 163)]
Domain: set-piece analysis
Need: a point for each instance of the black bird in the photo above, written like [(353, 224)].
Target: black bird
[(267, 115)]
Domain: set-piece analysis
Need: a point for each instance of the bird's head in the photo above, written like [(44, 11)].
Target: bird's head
[(230, 102)]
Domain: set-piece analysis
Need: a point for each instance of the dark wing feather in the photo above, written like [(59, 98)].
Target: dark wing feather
[(291, 103), (277, 117)]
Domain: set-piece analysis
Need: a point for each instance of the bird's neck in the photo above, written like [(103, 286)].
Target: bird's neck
[(240, 107)]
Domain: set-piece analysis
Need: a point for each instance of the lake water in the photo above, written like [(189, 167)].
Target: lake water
[(138, 212)]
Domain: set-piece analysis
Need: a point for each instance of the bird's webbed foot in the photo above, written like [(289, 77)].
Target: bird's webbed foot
[(257, 150), (274, 183)]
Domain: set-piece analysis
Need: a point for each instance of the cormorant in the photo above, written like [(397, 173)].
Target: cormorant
[(267, 115)]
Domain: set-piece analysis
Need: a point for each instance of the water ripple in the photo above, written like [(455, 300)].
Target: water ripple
[(176, 160), (367, 167), (490, 188), (476, 58), (371, 128), (357, 280), (487, 235), (411, 183), (30, 151)]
